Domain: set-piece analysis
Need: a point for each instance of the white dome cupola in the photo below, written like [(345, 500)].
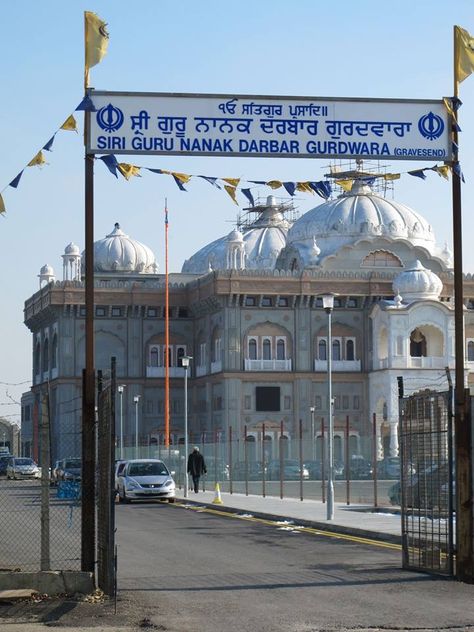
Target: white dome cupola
[(417, 283), (120, 253), (46, 275), (71, 263)]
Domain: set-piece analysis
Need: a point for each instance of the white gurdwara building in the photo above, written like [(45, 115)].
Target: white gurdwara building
[(247, 308)]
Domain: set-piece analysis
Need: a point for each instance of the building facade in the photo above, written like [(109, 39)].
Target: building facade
[(248, 309)]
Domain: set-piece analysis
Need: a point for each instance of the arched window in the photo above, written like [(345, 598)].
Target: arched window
[(417, 344), (322, 350), (350, 350), (45, 355), (252, 349), (54, 352), (280, 349), (470, 351), (180, 352), (37, 358), (267, 349), (284, 448), (154, 356), (336, 350), (381, 258)]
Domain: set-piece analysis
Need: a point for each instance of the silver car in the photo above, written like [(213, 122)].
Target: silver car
[(22, 467), (143, 479)]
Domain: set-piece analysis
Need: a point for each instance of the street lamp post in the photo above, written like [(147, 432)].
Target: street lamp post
[(120, 388), (328, 304), (136, 399), (185, 363), (313, 451)]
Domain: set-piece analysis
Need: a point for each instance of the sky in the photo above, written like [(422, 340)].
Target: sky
[(368, 49)]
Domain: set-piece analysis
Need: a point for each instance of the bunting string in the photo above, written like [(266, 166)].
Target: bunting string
[(230, 185)]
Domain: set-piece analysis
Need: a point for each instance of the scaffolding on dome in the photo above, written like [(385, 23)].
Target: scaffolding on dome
[(287, 208), (372, 171)]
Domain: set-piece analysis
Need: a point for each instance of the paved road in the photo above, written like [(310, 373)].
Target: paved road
[(190, 569)]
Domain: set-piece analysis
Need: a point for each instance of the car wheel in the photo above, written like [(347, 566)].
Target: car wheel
[(124, 498), (171, 500)]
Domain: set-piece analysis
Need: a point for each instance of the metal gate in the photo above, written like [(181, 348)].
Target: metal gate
[(427, 482)]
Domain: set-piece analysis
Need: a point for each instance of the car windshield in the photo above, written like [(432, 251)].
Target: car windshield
[(147, 469), (72, 463), (23, 461)]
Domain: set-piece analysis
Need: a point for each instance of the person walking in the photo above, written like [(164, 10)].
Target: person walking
[(196, 467)]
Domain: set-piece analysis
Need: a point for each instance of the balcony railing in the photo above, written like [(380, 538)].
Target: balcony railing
[(337, 365), (267, 365), (422, 362)]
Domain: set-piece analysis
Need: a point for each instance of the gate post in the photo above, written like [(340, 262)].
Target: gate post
[(464, 488)]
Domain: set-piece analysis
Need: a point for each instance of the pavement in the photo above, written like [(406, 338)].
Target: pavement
[(358, 520)]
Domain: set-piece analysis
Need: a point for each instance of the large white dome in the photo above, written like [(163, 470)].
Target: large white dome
[(352, 216), (262, 241), (119, 253)]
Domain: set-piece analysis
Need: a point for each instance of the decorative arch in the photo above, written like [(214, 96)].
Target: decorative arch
[(381, 259)]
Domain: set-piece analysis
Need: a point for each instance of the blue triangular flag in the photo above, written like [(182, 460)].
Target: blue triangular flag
[(156, 170), (110, 161), (249, 196), (49, 144), (86, 105), (457, 170), (322, 188), (257, 181), (211, 180), (290, 187), (16, 181), (179, 183), (456, 101), (418, 173)]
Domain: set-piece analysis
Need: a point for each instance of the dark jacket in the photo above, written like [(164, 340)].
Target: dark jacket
[(196, 464)]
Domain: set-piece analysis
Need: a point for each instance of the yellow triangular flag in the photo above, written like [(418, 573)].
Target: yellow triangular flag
[(443, 171), (182, 177), (128, 170), (304, 186), (274, 184), (391, 176), (463, 54), (234, 182), (2, 205), (231, 191), (69, 124), (37, 161), (96, 40), (346, 185)]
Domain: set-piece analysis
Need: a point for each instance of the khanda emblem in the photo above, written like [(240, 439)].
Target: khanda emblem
[(431, 126), (110, 118)]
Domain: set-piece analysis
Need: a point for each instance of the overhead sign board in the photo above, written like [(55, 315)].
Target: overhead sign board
[(289, 127)]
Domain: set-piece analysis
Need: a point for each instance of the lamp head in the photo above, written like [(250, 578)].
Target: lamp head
[(120, 388), (328, 301), (311, 409), (185, 360), (136, 398)]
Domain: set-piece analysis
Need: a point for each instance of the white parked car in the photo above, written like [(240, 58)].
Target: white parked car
[(143, 479), (22, 467)]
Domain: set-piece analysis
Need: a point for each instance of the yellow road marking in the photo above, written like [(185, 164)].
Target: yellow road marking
[(299, 528)]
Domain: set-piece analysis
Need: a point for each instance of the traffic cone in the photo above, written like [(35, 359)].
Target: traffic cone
[(217, 495)]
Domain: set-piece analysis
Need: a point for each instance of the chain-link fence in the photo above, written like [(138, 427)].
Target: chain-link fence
[(269, 461), (40, 501)]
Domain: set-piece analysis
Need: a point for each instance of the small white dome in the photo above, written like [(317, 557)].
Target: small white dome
[(417, 283), (235, 235), (47, 270), (119, 253), (72, 249)]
